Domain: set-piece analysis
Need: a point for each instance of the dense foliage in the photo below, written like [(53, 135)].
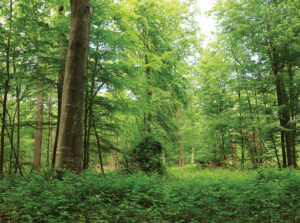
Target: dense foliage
[(184, 195), (146, 156)]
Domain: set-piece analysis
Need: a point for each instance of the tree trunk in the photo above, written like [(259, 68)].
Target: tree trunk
[(49, 142), (241, 131), (284, 162), (284, 112), (53, 132), (149, 95), (62, 42), (275, 149), (6, 88), (242, 149), (234, 160), (223, 146), (48, 145), (284, 116), (39, 129), (11, 154), (293, 103), (13, 150), (18, 89), (259, 143), (253, 145), (88, 121), (69, 147), (181, 155), (115, 155), (273, 140), (12, 124), (98, 146), (86, 138), (193, 155)]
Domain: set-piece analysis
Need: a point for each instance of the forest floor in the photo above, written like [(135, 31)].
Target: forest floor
[(185, 194)]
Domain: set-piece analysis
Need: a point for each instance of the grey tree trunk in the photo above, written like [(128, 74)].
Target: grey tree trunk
[(69, 146)]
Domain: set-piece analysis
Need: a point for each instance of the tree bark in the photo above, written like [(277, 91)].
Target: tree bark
[(223, 146), (13, 150), (234, 159), (53, 132), (49, 141), (6, 88), (62, 42), (12, 123), (252, 134), (283, 151), (284, 115), (293, 103), (39, 128), (241, 131), (86, 138), (18, 89), (271, 135), (259, 143), (48, 145), (98, 145), (181, 155), (88, 118), (69, 147)]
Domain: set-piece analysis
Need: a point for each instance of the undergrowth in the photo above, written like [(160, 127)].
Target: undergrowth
[(183, 195)]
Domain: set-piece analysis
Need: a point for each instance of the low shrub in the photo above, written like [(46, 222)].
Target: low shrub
[(146, 157)]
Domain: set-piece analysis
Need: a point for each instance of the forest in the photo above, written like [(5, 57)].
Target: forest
[(125, 111)]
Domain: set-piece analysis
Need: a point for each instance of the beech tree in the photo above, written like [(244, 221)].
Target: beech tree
[(69, 148), (39, 128)]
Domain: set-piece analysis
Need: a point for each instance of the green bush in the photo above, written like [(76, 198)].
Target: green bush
[(191, 196), (146, 157)]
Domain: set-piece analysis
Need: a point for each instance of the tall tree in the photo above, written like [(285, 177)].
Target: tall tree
[(69, 148), (63, 44), (6, 87), (181, 155), (39, 128)]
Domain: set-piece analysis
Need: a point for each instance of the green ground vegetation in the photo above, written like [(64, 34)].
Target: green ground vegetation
[(188, 194)]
